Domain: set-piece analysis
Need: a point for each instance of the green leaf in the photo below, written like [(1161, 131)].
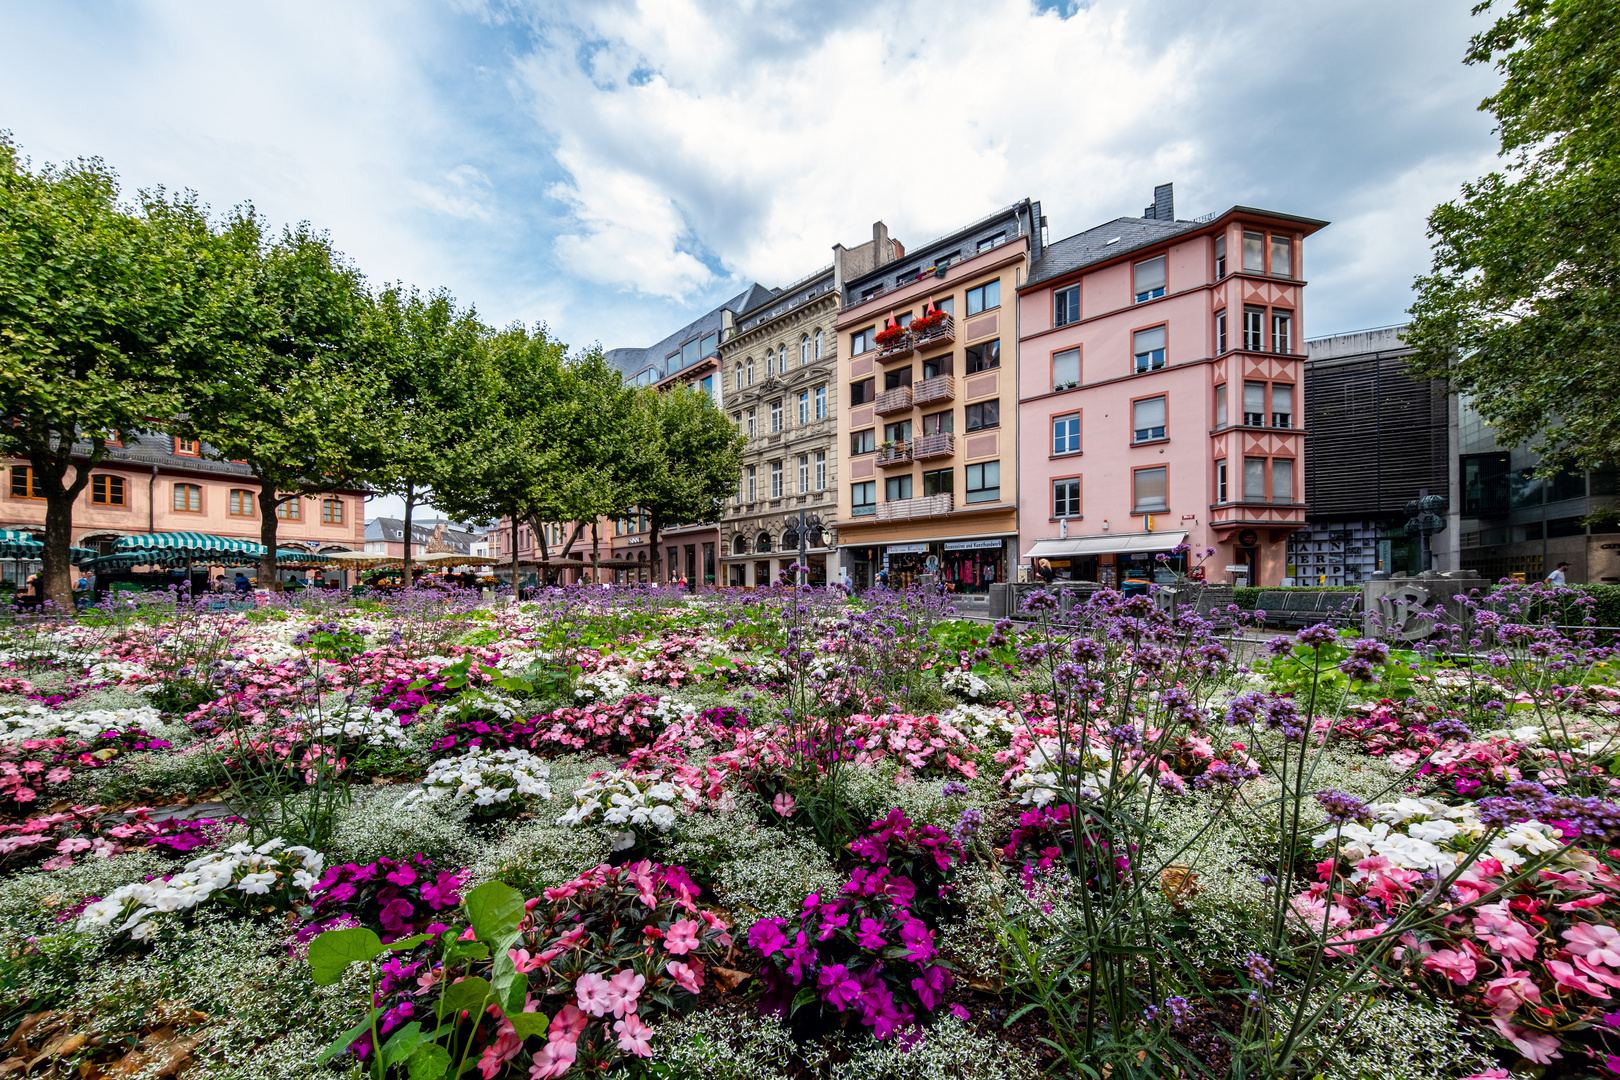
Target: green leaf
[(400, 1045), (466, 950), (469, 993), (407, 943), (805, 996), (342, 1042), (515, 994), (495, 909), (331, 953), (526, 1024), (429, 1062)]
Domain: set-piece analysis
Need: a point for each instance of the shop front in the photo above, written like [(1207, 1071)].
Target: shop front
[(1112, 560), (961, 565)]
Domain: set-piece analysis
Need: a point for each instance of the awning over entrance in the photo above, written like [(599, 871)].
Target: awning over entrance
[(196, 545), (1123, 544)]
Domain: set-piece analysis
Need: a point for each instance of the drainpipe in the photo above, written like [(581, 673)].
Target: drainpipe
[(151, 504)]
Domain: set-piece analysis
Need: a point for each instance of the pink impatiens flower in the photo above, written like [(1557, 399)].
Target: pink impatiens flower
[(1566, 975), (783, 804), (1538, 1047), (634, 1036), (623, 991), (554, 1059), (683, 936), (1512, 990), (688, 976), (1597, 942), (1459, 967), (594, 993)]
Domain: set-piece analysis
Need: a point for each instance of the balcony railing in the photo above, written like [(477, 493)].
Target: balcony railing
[(903, 509), (938, 445), (943, 334), (895, 453), (893, 401), (939, 388), (894, 350)]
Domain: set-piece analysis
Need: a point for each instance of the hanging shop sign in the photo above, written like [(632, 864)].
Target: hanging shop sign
[(1248, 538)]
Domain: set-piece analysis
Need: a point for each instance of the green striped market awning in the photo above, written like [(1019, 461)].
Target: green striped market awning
[(16, 544), (192, 544)]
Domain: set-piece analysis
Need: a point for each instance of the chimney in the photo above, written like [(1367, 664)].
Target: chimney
[(1164, 204), (882, 252)]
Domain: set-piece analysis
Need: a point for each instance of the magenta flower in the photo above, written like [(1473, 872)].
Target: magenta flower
[(766, 936), (917, 939), (838, 988), (869, 935)]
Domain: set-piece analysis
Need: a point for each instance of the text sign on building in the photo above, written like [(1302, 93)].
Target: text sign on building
[(907, 549), (971, 545)]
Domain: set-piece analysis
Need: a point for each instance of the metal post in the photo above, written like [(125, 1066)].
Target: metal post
[(803, 573)]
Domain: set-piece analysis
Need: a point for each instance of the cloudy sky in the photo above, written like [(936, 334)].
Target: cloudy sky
[(613, 168)]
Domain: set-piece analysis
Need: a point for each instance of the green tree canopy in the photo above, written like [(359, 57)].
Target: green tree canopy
[(685, 458), (1521, 309)]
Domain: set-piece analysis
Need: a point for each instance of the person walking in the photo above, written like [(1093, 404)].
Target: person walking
[(243, 585), (1557, 577)]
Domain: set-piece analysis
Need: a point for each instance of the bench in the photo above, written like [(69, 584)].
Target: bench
[(1307, 607)]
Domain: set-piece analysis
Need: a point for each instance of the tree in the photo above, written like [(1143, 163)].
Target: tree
[(685, 458), (427, 345), (1521, 309), (302, 403), (101, 307)]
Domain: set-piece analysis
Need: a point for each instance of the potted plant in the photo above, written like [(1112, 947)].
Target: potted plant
[(893, 334)]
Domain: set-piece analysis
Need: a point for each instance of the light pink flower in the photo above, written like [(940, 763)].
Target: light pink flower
[(1512, 990), (1457, 966), (594, 993), (683, 936), (1506, 935), (623, 991), (783, 804), (567, 1026), (1565, 975), (1534, 1045), (503, 1049), (689, 976), (523, 961), (1598, 942), (554, 1059), (634, 1035)]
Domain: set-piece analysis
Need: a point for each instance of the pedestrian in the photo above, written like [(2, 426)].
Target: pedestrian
[(243, 585), (846, 582), (1044, 571), (1557, 577), (883, 578), (219, 583)]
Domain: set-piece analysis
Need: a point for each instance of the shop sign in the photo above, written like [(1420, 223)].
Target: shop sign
[(1240, 569), (1248, 538), (971, 545), (907, 549)]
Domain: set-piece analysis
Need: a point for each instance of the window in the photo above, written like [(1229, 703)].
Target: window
[(947, 305), (983, 357), (1282, 331), (992, 241), (776, 415), (1147, 419), (1066, 434), (863, 499), (750, 371), (804, 350), (1254, 325), (821, 470), (935, 366), (862, 392), (1220, 406), (1282, 480), (1282, 256), (863, 442), (188, 498), (984, 482), (753, 483), (898, 432), (1066, 306), (736, 418), (984, 297), (739, 375), (1148, 346), (1149, 279), (242, 502), (290, 508), (804, 406), (706, 384), (1066, 369), (1254, 404), (894, 379), (897, 487), (939, 482), (984, 414), (1254, 479), (821, 403), (1254, 252), (804, 474), (776, 479), (1151, 494), (860, 341), (770, 363), (1066, 498), (332, 511), (1220, 331), (107, 490), (1282, 405), (752, 418), (818, 344), (188, 447), (1220, 481), (1220, 257), (939, 423)]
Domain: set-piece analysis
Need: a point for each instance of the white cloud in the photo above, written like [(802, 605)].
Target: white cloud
[(466, 193)]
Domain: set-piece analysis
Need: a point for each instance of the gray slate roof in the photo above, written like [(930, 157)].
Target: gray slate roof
[(393, 530), (1103, 242), (631, 361)]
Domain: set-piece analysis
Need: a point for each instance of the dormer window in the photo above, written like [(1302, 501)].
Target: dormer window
[(188, 447)]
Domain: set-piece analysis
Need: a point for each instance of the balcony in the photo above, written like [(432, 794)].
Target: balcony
[(943, 334), (906, 509), (901, 346), (895, 453), (939, 388), (926, 447), (897, 400)]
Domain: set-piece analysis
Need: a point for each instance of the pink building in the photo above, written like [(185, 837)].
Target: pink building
[(1160, 368)]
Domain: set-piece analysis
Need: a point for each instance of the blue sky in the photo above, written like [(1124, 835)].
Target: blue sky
[(614, 168)]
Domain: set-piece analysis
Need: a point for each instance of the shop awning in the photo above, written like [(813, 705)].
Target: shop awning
[(1123, 544), (187, 544), (16, 544)]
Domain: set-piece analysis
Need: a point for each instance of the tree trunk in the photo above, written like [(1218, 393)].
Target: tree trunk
[(269, 501), (596, 556), (652, 538), (410, 502), (516, 595), (51, 464), (579, 530)]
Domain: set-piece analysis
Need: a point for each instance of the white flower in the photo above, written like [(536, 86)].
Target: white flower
[(256, 884), (491, 776)]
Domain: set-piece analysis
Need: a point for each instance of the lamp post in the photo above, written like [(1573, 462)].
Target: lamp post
[(1425, 517), (802, 523)]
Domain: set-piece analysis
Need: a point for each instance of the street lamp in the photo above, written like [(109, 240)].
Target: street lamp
[(799, 526)]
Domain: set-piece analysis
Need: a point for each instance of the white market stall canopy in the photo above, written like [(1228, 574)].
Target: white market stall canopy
[(1123, 544), (362, 560)]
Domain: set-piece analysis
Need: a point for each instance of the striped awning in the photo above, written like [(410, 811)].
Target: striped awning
[(192, 544), (16, 544)]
